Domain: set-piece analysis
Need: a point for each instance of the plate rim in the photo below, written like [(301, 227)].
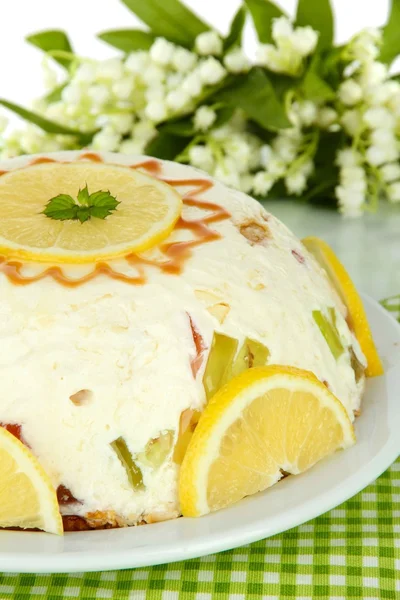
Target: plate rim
[(71, 562)]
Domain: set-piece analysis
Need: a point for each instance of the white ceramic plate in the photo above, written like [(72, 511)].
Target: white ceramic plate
[(291, 502)]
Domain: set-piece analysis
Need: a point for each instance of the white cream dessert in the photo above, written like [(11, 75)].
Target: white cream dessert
[(122, 358)]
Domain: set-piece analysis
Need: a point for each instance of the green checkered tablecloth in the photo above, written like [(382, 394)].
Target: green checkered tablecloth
[(350, 552)]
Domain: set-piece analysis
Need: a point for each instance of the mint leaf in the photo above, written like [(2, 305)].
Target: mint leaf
[(84, 138), (99, 204), (52, 39), (263, 12), (83, 196), (170, 19), (128, 40), (234, 37), (391, 38), (83, 213), (317, 14), (61, 208), (255, 94)]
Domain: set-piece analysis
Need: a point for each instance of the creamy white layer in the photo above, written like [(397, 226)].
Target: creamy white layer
[(131, 346)]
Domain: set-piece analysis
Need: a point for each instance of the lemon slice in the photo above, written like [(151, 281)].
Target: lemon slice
[(27, 497), (357, 319), (147, 213), (266, 420)]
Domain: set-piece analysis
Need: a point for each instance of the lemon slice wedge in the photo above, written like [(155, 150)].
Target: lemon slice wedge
[(147, 213), (265, 421), (27, 497), (346, 290)]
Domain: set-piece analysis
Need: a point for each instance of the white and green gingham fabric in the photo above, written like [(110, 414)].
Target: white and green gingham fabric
[(350, 552)]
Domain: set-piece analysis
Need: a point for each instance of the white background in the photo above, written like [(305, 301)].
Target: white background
[(20, 63)]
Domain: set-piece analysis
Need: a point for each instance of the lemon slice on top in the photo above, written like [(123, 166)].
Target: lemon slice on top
[(266, 420), (346, 290), (147, 212), (27, 497)]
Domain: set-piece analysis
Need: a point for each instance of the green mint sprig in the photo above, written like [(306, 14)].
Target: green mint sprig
[(63, 207)]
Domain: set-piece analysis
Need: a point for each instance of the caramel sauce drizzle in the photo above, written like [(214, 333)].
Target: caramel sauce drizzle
[(176, 253)]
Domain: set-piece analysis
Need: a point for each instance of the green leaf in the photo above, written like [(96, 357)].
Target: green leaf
[(224, 115), (128, 40), (181, 127), (317, 14), (170, 19), (83, 213), (61, 207), (234, 37), (52, 39), (316, 88), (263, 12), (255, 94), (55, 95), (102, 204), (48, 126), (391, 36), (166, 146), (83, 196), (313, 85)]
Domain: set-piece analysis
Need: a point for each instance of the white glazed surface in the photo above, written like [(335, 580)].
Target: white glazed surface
[(132, 345)]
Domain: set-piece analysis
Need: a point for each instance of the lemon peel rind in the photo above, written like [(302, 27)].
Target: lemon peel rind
[(28, 463), (349, 295), (215, 420)]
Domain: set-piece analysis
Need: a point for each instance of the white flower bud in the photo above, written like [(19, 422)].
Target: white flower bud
[(204, 117), (162, 51), (123, 88), (156, 111), (208, 43), (153, 75), (110, 69), (265, 154), (347, 157), (144, 131), (131, 147), (107, 140), (155, 92), (304, 40), (192, 84), (226, 172), (307, 112), (262, 183), (352, 122), (85, 73), (174, 80), (326, 117), (350, 202), (72, 94), (353, 178), (296, 183), (373, 73), (379, 117), (183, 60), (236, 61), (393, 192), (177, 100), (383, 137), (378, 155), (121, 123), (211, 71), (350, 92), (282, 30), (137, 62), (276, 167), (285, 148), (99, 94), (390, 172), (201, 157)]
